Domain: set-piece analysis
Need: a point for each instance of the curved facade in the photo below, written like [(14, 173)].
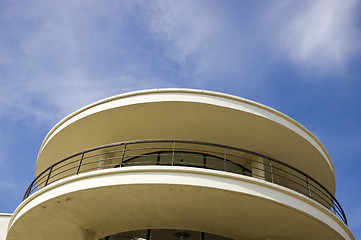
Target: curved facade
[(180, 164)]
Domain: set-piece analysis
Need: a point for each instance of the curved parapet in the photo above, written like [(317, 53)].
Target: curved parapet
[(153, 197)]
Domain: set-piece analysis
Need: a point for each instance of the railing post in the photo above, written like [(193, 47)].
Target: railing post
[(149, 234), (225, 159), (173, 154), (271, 168), (308, 187), (158, 158), (125, 148), (27, 193), (80, 162), (47, 180)]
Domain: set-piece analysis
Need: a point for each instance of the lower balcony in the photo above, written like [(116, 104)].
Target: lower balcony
[(197, 188)]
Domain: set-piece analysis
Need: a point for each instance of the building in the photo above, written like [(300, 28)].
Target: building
[(180, 164)]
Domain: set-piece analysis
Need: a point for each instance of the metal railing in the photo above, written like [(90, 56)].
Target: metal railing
[(191, 154)]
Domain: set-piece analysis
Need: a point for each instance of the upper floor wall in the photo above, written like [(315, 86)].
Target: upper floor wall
[(4, 221)]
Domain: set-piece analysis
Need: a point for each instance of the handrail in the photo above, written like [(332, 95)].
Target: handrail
[(230, 159)]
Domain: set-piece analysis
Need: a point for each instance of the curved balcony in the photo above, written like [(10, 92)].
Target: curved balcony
[(189, 114), (193, 154)]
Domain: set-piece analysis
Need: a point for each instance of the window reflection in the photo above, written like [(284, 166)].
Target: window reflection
[(191, 159), (164, 234)]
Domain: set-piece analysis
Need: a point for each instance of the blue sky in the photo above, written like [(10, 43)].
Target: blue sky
[(302, 58)]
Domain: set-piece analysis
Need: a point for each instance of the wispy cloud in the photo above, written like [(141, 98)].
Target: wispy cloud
[(59, 58), (182, 27), (318, 34), (65, 55), (206, 40)]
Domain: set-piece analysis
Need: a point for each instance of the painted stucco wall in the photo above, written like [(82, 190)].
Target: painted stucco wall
[(4, 220)]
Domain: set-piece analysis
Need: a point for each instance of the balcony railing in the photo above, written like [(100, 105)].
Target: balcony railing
[(190, 154)]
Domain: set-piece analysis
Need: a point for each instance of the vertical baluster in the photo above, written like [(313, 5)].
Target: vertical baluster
[(80, 162), (225, 159), (47, 180), (125, 148), (173, 154), (271, 168), (158, 158), (308, 187), (149, 233)]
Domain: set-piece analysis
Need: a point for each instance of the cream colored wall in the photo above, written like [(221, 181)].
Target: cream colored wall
[(4, 221)]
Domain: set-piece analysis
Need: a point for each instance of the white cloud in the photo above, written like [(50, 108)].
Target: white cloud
[(210, 42), (56, 54), (51, 64), (182, 27), (320, 34)]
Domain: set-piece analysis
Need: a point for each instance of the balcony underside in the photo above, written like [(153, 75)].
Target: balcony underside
[(157, 197)]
